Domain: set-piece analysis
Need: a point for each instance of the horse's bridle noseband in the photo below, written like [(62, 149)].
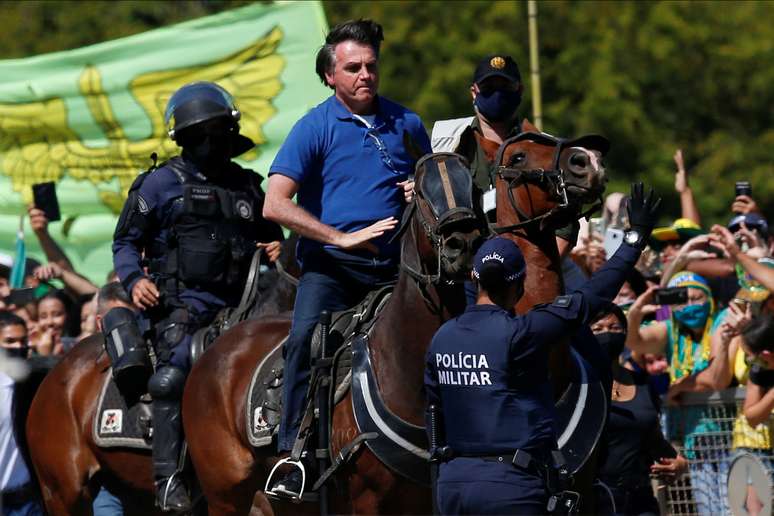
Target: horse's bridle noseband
[(552, 178)]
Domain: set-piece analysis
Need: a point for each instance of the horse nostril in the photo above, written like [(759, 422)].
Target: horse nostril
[(454, 246)]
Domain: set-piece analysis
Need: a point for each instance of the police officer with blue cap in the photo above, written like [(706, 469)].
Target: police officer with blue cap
[(487, 376), (182, 250)]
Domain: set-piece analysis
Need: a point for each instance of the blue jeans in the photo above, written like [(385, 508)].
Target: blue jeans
[(708, 484), (326, 284), (106, 504)]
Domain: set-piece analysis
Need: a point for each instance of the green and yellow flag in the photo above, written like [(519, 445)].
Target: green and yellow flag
[(90, 118)]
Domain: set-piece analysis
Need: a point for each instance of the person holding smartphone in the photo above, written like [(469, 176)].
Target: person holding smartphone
[(687, 338)]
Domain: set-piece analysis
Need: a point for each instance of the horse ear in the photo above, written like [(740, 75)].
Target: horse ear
[(414, 150), (527, 127)]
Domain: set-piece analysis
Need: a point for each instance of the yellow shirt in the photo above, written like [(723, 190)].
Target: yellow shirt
[(746, 436)]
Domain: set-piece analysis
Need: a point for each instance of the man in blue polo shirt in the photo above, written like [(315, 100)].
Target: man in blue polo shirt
[(347, 163)]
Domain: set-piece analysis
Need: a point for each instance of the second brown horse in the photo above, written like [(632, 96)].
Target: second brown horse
[(440, 237)]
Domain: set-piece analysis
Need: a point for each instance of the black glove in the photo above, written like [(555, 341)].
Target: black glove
[(643, 210)]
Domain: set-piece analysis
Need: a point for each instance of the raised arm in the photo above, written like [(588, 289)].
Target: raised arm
[(39, 225), (645, 339), (688, 208), (758, 403), (723, 238)]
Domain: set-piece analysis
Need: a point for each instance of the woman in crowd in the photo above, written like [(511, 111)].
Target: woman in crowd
[(53, 334), (753, 429), (633, 447), (686, 338)]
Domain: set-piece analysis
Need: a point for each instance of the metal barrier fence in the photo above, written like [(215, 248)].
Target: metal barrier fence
[(702, 428)]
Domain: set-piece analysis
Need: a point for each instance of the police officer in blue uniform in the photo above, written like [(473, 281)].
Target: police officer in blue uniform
[(487, 371), (182, 248)]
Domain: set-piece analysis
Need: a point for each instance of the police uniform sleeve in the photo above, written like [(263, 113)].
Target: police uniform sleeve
[(548, 323), (265, 230), (131, 232)]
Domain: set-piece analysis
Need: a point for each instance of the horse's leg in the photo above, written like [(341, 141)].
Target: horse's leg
[(222, 463), (213, 415)]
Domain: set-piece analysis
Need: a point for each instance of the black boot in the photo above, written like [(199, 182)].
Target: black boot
[(289, 486), (171, 493)]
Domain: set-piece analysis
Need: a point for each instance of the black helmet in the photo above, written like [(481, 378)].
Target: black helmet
[(198, 102)]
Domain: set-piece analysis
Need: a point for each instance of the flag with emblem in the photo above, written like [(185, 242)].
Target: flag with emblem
[(89, 119)]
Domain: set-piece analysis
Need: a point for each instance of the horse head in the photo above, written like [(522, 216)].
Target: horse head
[(444, 229), (541, 178)]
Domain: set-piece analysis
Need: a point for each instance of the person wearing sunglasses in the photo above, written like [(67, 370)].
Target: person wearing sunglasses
[(349, 162)]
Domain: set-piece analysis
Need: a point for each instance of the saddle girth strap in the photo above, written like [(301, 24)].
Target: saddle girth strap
[(341, 458)]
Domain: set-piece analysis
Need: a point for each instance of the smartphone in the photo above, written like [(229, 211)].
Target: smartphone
[(45, 199), (743, 188), (671, 296), (20, 297), (596, 225), (613, 239)]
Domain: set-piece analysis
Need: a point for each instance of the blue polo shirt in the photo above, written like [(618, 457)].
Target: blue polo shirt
[(348, 171)]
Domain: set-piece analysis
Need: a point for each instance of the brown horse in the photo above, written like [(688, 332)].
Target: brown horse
[(542, 184), (438, 244), (60, 429)]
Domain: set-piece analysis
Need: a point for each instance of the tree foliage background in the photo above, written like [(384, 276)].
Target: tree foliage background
[(651, 76)]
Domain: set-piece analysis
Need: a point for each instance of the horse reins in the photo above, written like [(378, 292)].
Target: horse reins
[(553, 177)]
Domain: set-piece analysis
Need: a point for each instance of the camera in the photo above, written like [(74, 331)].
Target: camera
[(671, 296)]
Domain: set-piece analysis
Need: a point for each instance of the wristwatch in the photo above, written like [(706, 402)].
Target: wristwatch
[(633, 237)]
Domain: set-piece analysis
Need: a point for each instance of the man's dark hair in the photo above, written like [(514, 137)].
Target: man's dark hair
[(10, 319), (367, 32), (759, 334), (5, 272), (113, 292)]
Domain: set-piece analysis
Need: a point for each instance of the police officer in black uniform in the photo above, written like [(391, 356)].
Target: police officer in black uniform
[(182, 248), (487, 372)]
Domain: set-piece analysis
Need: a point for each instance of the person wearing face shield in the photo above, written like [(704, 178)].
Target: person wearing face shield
[(182, 249)]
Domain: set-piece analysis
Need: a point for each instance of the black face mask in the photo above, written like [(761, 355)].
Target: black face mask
[(612, 344), (17, 352), (498, 105), (211, 152)]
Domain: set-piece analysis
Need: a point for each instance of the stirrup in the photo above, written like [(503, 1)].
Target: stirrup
[(167, 484), (287, 460)]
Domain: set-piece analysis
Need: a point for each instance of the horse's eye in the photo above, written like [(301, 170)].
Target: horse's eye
[(579, 160), (517, 159)]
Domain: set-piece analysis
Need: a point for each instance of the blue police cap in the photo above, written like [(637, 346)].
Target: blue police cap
[(501, 255)]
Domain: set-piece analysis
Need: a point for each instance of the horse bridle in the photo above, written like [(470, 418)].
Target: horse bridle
[(553, 178), (433, 226)]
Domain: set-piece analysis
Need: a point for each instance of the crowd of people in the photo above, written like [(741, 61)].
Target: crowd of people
[(693, 315), (698, 319)]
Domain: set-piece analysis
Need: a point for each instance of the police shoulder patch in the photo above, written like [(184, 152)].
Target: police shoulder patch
[(142, 205), (562, 301)]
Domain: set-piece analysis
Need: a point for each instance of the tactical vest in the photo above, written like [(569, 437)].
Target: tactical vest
[(206, 246)]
